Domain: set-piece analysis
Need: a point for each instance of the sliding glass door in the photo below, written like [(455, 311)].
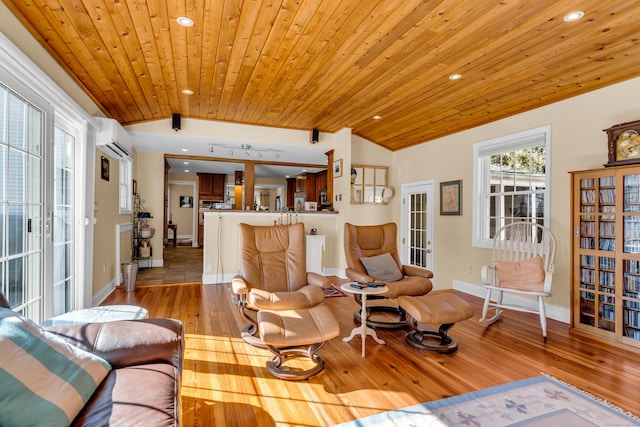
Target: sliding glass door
[(37, 208), (64, 296)]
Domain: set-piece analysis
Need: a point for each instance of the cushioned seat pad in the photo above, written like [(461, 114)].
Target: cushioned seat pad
[(307, 296), (290, 328), (436, 309), (133, 406)]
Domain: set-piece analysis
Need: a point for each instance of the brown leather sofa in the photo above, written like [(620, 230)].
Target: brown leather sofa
[(143, 387)]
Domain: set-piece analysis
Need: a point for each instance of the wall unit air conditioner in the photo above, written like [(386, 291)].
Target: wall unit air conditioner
[(113, 140)]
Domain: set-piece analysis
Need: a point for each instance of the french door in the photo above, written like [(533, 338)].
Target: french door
[(64, 219), (37, 205), (22, 136), (417, 224)]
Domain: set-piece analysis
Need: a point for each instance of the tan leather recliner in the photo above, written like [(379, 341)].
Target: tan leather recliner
[(371, 240), (274, 274)]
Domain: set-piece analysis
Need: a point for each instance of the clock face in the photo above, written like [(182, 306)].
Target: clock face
[(628, 145)]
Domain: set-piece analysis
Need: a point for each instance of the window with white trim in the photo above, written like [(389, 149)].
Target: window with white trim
[(126, 184), (512, 182)]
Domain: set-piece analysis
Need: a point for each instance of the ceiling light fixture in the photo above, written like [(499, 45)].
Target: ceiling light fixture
[(184, 21), (574, 16), (184, 149), (185, 163), (187, 170), (455, 76), (247, 149), (187, 91)]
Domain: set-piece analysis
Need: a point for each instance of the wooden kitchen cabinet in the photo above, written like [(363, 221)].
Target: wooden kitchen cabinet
[(211, 186)]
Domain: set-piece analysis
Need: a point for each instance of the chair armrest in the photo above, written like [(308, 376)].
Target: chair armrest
[(412, 270), (128, 342), (357, 277), (318, 280), (489, 275), (239, 286)]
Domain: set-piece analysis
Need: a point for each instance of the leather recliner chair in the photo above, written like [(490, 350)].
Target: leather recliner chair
[(274, 274), (372, 240)]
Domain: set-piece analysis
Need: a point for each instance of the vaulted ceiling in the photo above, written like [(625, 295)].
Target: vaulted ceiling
[(330, 64)]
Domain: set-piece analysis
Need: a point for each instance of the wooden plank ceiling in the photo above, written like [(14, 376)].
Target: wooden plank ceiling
[(330, 64)]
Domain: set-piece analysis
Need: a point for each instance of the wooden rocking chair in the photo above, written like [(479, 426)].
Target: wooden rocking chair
[(521, 264)]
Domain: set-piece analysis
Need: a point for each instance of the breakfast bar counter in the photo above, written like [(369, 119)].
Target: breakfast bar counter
[(221, 260)]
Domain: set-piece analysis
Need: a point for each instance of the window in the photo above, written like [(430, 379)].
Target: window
[(126, 184), (511, 184)]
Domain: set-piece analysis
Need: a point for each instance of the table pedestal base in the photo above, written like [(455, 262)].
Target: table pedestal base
[(363, 329)]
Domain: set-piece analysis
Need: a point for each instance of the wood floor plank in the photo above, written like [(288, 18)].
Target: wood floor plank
[(225, 383)]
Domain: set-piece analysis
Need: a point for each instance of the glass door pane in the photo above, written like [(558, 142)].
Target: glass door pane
[(417, 234), (21, 203), (607, 207), (63, 222)]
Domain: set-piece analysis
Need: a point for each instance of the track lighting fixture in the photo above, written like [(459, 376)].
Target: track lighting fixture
[(248, 149)]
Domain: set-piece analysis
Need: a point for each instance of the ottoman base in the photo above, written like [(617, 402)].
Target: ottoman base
[(443, 309), (291, 334)]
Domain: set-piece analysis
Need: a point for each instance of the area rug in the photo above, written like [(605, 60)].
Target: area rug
[(333, 291), (533, 402)]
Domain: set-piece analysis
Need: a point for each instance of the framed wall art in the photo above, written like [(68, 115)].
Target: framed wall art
[(337, 168), (451, 198), (186, 201), (104, 168)]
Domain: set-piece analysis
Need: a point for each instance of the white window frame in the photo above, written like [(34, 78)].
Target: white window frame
[(126, 186), (482, 152)]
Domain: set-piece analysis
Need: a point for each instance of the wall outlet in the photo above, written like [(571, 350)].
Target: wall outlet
[(469, 268)]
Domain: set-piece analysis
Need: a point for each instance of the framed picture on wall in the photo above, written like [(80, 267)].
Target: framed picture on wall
[(104, 168), (337, 168), (186, 201), (450, 198)]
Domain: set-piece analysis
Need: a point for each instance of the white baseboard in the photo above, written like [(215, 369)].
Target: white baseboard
[(103, 293), (555, 312), (216, 279)]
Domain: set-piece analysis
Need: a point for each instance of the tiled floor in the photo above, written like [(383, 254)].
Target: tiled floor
[(182, 264)]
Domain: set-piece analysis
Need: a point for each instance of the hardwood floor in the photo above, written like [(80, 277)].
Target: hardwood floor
[(225, 383), (182, 264)]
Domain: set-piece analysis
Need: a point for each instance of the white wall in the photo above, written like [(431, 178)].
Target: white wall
[(578, 142)]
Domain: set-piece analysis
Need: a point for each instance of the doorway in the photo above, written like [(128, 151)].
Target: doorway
[(416, 224)]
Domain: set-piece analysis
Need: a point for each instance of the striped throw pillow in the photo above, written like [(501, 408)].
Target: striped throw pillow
[(44, 380)]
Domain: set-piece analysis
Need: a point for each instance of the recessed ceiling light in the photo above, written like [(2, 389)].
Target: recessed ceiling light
[(376, 117), (184, 21), (187, 91), (573, 16), (287, 176), (187, 170), (186, 163), (455, 76), (184, 149)]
